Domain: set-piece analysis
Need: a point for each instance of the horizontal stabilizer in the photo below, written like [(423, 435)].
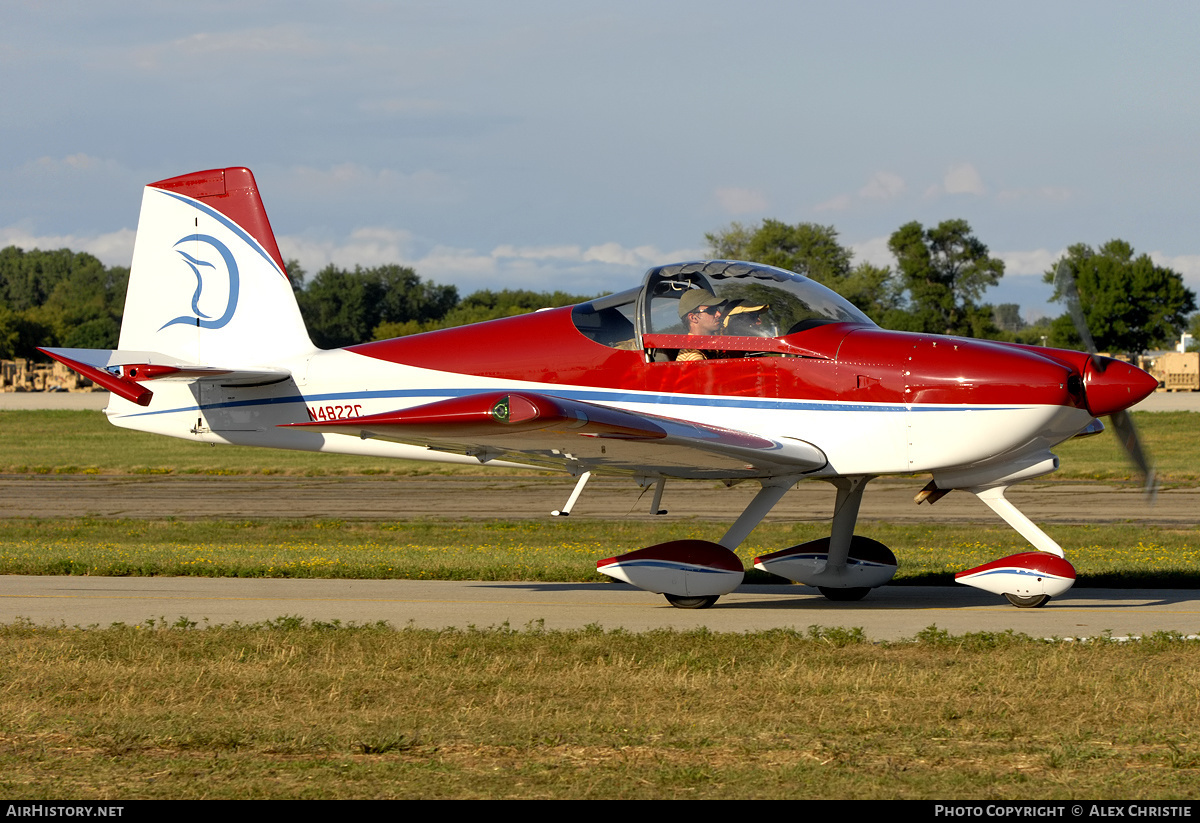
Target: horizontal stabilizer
[(123, 372)]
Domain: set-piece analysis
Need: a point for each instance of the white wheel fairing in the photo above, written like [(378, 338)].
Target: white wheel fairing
[(1028, 574), (870, 564), (686, 568)]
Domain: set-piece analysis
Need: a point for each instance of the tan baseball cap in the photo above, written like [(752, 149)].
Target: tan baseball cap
[(694, 299)]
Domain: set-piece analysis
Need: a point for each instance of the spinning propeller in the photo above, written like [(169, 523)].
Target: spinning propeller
[(1121, 420)]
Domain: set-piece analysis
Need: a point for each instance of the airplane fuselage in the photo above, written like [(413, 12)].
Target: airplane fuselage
[(878, 402), (713, 369)]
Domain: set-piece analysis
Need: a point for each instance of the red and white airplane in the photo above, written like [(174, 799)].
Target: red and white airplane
[(213, 349)]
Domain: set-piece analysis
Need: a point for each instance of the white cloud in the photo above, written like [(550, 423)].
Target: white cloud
[(283, 39), (741, 201), (612, 254), (537, 252), (445, 264), (1188, 265), (617, 255), (367, 246), (1039, 261), (568, 267), (112, 249), (565, 267), (874, 251), (883, 185), (963, 178), (839, 203), (1029, 262)]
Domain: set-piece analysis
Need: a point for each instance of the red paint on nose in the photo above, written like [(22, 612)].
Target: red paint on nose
[(1111, 385)]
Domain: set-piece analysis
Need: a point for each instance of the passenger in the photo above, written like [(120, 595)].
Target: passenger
[(742, 320), (745, 321), (700, 311)]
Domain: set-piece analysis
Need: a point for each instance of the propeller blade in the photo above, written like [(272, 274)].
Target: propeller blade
[(1122, 422), (1127, 433), (1064, 281)]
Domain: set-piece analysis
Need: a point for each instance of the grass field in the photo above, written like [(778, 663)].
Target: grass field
[(84, 442), (81, 442), (286, 710), (293, 710)]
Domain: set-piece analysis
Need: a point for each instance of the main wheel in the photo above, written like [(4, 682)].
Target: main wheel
[(843, 595), (681, 602), (1035, 601)]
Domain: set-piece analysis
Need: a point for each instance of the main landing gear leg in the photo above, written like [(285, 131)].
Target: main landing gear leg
[(845, 516), (772, 492), (843, 566)]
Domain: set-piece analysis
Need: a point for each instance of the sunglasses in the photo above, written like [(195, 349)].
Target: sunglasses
[(713, 310)]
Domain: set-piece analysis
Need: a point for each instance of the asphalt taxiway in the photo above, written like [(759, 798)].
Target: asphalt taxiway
[(890, 613)]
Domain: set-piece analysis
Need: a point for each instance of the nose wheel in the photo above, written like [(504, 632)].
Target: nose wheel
[(1035, 601), (681, 602), (844, 595)]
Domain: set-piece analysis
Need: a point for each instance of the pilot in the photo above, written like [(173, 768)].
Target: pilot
[(701, 312)]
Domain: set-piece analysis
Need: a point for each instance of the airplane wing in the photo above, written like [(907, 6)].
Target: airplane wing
[(556, 432), (124, 372)]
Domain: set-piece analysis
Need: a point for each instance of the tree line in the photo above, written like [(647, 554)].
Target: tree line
[(1131, 304), (71, 299), (342, 307), (66, 298)]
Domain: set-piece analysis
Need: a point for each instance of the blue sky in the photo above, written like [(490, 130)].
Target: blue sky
[(571, 145)]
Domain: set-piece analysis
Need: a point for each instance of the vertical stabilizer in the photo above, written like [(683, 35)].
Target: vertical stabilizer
[(207, 283)]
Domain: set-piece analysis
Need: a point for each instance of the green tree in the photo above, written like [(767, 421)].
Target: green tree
[(343, 307), (60, 298), (812, 250), (806, 248), (1007, 317), (296, 274), (10, 333), (483, 305), (945, 270), (1130, 304)]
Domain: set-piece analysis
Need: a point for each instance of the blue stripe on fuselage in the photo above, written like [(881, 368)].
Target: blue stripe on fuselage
[(587, 395)]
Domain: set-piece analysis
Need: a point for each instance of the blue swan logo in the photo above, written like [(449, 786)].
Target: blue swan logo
[(200, 319)]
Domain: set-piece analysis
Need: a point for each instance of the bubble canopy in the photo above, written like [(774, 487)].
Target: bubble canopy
[(754, 301)]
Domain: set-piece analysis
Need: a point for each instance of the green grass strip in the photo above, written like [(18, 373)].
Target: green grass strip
[(82, 442), (1108, 555)]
